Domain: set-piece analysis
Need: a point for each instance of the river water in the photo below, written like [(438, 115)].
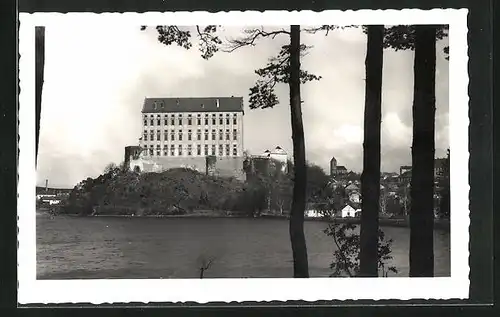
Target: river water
[(120, 247)]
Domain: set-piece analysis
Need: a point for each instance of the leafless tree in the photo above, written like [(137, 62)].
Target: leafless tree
[(205, 262)]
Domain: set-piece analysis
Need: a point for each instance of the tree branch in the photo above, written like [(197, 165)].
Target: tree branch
[(251, 38), (209, 41), (327, 28)]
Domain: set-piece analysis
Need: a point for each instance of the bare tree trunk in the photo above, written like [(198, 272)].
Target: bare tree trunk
[(297, 238), (422, 181), (370, 178), (39, 70)]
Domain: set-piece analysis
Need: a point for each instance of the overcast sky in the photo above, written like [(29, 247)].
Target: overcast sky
[(96, 80)]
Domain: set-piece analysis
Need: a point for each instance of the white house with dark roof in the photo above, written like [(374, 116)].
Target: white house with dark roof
[(348, 211)]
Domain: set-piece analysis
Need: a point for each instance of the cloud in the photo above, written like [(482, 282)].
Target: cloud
[(96, 80)]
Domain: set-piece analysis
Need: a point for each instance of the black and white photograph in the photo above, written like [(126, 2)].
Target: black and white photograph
[(281, 153)]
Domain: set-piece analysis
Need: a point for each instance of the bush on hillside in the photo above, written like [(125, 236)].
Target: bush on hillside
[(175, 191), (181, 191)]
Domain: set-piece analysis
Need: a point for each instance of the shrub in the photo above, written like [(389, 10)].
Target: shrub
[(346, 257)]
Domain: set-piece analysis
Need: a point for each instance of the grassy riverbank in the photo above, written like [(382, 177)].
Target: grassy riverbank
[(441, 224)]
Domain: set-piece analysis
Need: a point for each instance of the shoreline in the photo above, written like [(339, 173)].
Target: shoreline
[(439, 224)]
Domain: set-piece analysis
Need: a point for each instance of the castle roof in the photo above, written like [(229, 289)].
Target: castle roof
[(208, 104), (278, 150)]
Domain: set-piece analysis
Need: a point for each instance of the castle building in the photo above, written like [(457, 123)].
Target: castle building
[(191, 127), (183, 132)]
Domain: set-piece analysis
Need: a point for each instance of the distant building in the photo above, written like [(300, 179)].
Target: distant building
[(439, 167), (333, 183), (265, 162), (333, 167), (341, 170), (403, 169), (337, 170), (348, 211), (355, 197), (279, 155), (51, 196), (190, 133), (405, 178), (439, 170), (352, 187), (312, 212)]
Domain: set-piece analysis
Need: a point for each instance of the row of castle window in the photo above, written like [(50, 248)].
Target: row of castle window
[(199, 120), (170, 151), (189, 135)]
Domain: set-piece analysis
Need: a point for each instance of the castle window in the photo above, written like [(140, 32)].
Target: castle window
[(198, 119), (145, 135), (221, 150), (172, 135), (213, 134), (146, 121), (152, 135), (235, 134), (198, 134), (180, 150), (189, 135), (172, 120), (151, 150), (213, 119), (221, 137), (158, 120), (206, 134), (165, 135), (198, 149), (166, 120), (146, 149), (158, 135), (234, 118), (180, 135), (235, 150), (165, 150), (221, 120), (227, 118), (227, 150), (206, 118), (190, 120), (227, 134), (205, 149), (151, 120), (180, 119), (158, 150), (172, 150), (190, 149), (213, 149)]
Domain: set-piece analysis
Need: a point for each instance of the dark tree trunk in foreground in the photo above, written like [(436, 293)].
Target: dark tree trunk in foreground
[(422, 181), (370, 179), (297, 238), (39, 68)]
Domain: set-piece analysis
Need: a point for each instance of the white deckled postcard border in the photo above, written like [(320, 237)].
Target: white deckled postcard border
[(238, 290)]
